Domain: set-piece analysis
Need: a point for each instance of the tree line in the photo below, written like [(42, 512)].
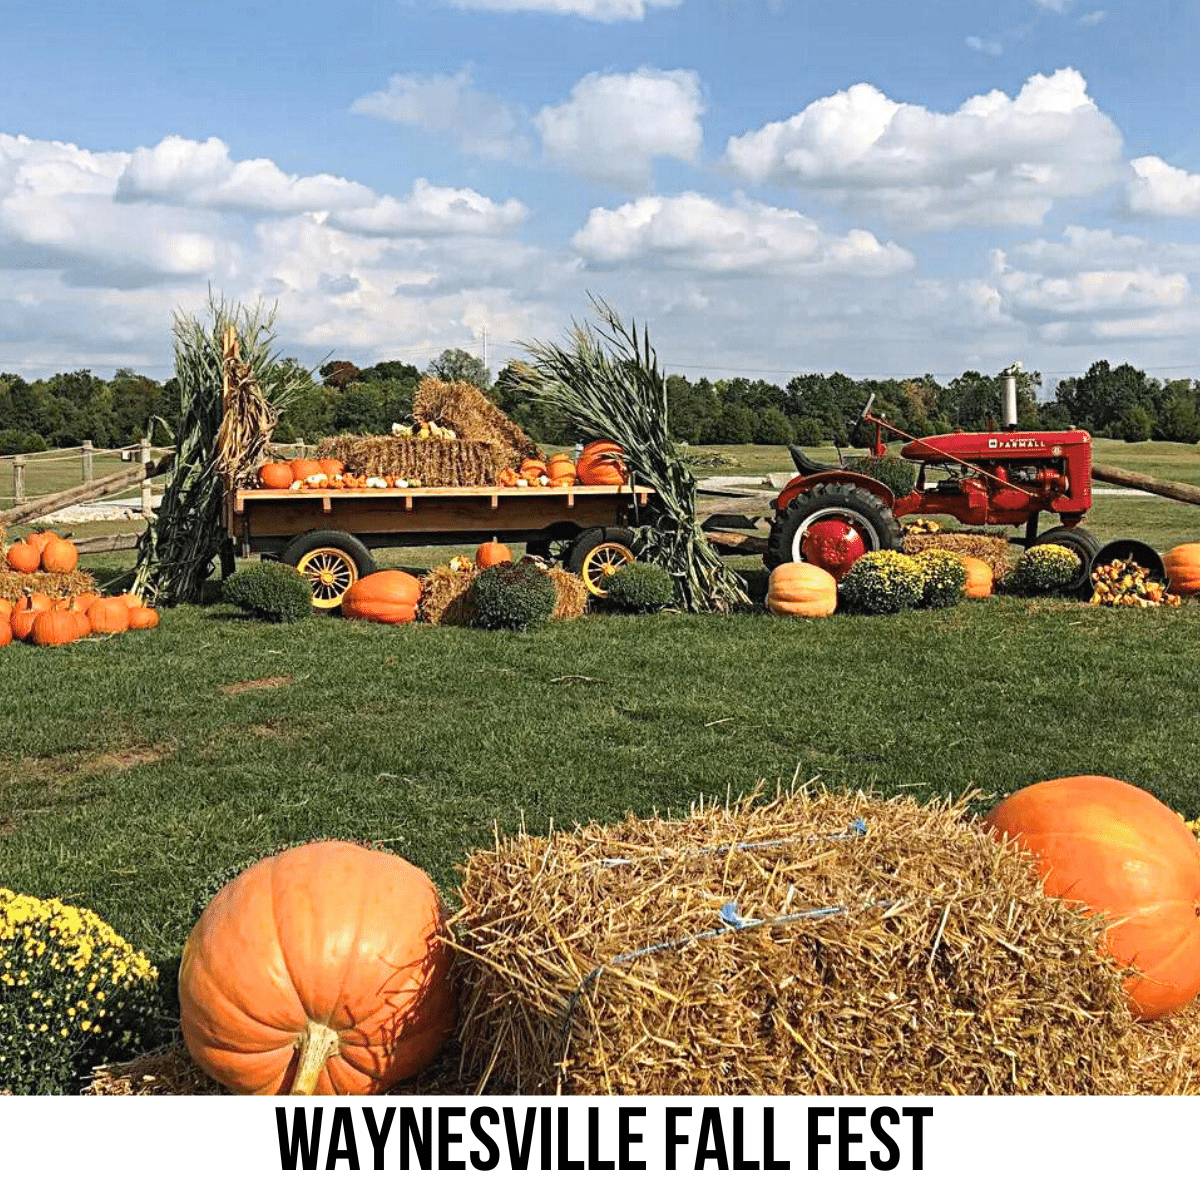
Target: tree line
[(340, 397)]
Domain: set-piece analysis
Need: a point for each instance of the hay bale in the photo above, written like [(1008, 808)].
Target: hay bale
[(446, 596), (14, 584), (435, 463), (941, 968), (464, 408), (571, 595), (995, 551)]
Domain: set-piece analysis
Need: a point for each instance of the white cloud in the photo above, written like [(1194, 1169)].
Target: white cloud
[(695, 233), (448, 104), (996, 160), (614, 126), (607, 11), (432, 210), (988, 46), (1093, 18), (1100, 292), (1054, 5), (1161, 190), (181, 171)]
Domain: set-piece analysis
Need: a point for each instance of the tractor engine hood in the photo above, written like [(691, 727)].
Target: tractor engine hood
[(986, 447)]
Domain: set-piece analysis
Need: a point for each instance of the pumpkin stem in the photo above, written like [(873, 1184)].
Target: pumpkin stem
[(318, 1044)]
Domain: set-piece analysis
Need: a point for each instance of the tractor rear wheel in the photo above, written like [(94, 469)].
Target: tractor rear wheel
[(1083, 544), (849, 521)]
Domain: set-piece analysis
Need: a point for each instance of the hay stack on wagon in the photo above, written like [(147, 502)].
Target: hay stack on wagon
[(921, 957)]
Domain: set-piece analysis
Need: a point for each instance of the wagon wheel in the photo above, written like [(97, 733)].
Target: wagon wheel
[(330, 572), (331, 560), (597, 554)]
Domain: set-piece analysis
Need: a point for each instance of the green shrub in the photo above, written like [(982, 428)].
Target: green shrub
[(1044, 569), (891, 470), (882, 581), (270, 591), (73, 994), (640, 588), (943, 577), (517, 595)]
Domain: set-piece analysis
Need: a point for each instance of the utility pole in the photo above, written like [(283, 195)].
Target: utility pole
[(485, 361)]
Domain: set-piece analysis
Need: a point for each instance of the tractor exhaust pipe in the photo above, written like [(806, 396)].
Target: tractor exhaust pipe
[(1008, 397)]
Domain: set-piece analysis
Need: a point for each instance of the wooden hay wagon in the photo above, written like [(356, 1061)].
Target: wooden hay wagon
[(329, 534)]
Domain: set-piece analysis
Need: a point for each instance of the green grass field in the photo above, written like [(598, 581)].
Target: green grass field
[(134, 768)]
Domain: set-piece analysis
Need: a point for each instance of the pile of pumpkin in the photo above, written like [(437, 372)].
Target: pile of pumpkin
[(599, 464), (41, 621), (323, 474), (42, 552)]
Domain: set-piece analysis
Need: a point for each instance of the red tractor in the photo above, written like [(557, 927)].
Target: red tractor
[(830, 515)]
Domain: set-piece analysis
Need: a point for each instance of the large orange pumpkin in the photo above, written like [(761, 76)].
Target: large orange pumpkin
[(21, 623), (5, 608), (561, 470), (318, 972), (143, 618), (23, 557), (601, 463), (54, 628), (302, 468), (387, 596), (276, 475), (491, 553), (1182, 565), (800, 589), (980, 578), (5, 631), (1117, 850), (109, 614), (34, 602), (59, 556)]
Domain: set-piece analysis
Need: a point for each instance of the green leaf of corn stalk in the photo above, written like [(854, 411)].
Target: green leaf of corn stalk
[(176, 553), (608, 383)]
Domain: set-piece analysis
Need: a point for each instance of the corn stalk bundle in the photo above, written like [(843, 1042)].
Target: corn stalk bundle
[(230, 395), (610, 386), (822, 942)]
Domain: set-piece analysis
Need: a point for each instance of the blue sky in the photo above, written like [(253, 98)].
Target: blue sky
[(773, 186)]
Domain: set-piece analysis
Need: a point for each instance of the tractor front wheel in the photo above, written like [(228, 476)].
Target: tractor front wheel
[(832, 526)]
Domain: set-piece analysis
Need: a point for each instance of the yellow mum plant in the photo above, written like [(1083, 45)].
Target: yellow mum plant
[(73, 994)]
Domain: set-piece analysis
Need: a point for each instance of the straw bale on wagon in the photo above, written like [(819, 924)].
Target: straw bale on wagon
[(921, 957), (435, 463), (461, 406)]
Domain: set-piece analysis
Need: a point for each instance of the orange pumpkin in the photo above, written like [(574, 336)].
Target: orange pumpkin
[(60, 557), (302, 468), (23, 557), (532, 466), (561, 471), (39, 541), (275, 475), (389, 597), (1182, 565), (491, 553), (980, 579), (21, 623), (84, 601), (132, 600), (34, 602), (601, 463), (109, 614), (1117, 850), (143, 618), (318, 971), (80, 618), (509, 478), (5, 631), (54, 628), (800, 589), (332, 466), (5, 608)]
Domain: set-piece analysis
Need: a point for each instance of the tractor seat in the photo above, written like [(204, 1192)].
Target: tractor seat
[(806, 465)]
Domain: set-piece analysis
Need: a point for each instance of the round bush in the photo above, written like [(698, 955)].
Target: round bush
[(882, 581), (1044, 569), (640, 588), (73, 994), (270, 591), (512, 596), (943, 577)]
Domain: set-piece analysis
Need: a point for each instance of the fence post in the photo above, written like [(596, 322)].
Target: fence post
[(88, 470), (19, 479), (144, 457)]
